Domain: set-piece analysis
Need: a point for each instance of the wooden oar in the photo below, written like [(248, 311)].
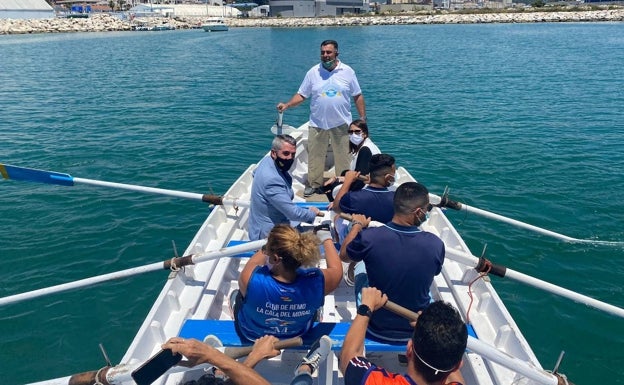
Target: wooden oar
[(489, 352), (279, 128), (57, 178), (169, 264), (121, 374), (481, 265), (446, 202), (238, 352)]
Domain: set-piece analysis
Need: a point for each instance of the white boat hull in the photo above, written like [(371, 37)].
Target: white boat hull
[(201, 292), (215, 27)]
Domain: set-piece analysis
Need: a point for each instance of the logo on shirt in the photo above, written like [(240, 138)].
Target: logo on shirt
[(331, 93)]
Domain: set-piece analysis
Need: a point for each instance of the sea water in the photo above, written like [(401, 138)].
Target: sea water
[(522, 120)]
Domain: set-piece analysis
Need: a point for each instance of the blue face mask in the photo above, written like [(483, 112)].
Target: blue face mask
[(328, 64)]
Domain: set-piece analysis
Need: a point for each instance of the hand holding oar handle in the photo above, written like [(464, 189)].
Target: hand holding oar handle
[(402, 311), (493, 354), (243, 351), (121, 374)]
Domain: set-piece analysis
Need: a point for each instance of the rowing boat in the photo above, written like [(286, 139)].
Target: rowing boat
[(198, 295)]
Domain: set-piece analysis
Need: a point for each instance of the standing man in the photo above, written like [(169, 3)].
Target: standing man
[(271, 191), (434, 352), (400, 259), (330, 86)]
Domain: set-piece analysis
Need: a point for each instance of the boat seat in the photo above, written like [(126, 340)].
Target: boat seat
[(226, 332)]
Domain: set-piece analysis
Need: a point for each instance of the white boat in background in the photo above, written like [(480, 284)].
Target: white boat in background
[(497, 353), (215, 25)]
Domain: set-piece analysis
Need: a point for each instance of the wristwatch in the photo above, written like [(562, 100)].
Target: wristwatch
[(364, 310)]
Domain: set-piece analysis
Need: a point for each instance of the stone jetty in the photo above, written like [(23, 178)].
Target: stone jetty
[(104, 22)]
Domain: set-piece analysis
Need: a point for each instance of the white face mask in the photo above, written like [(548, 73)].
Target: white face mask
[(356, 138)]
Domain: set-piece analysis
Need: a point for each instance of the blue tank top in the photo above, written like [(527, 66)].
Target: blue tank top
[(280, 309)]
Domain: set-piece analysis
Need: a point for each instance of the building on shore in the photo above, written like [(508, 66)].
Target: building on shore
[(25, 9), (315, 8), (183, 10)]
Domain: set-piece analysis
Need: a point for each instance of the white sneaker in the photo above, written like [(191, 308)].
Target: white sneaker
[(317, 354), (213, 341)]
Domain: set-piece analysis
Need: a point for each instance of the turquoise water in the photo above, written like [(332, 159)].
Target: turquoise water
[(523, 120)]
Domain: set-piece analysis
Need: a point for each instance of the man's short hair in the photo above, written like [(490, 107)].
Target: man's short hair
[(330, 42), (380, 165), (439, 341), (279, 140), (409, 196)]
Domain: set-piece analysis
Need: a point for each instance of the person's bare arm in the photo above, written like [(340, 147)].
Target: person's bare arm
[(257, 259), (349, 178), (263, 348), (296, 100), (199, 353), (360, 105), (333, 272), (353, 345), (358, 222)]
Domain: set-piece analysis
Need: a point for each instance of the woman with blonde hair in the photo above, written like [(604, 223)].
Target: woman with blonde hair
[(280, 286)]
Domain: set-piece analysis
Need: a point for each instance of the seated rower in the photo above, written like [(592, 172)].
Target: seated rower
[(434, 352), (272, 193), (375, 200), (279, 289), (400, 259)]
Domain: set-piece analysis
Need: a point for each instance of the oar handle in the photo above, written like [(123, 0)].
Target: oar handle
[(280, 119), (245, 350), (90, 378), (176, 263), (212, 199), (400, 310)]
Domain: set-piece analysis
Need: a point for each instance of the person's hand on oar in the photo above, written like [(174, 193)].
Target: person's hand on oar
[(196, 352), (373, 298), (263, 348)]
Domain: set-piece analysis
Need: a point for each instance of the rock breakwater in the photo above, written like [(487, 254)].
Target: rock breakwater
[(104, 22)]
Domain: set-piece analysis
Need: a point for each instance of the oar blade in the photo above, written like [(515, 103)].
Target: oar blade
[(283, 130), (34, 175)]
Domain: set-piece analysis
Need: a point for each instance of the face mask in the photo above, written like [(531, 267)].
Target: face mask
[(283, 164), (356, 139), (426, 216), (267, 262), (391, 179), (328, 64)]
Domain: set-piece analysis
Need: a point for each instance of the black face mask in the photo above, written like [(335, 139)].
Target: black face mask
[(283, 164)]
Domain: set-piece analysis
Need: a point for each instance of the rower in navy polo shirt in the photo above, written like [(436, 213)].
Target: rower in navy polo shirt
[(375, 200), (401, 260)]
